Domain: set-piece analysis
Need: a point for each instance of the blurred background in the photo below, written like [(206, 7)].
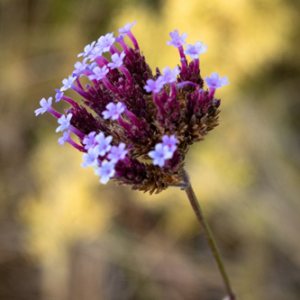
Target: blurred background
[(64, 236)]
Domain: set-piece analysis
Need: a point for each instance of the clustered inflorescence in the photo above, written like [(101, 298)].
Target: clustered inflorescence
[(137, 116)]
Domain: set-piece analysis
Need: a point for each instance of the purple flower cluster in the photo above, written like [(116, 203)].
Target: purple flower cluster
[(141, 124)]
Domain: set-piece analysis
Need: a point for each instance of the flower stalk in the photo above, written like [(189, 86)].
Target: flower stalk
[(208, 234)]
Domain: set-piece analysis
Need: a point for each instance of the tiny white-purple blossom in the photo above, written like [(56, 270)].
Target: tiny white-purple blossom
[(160, 154), (67, 83), (87, 50), (99, 73), (80, 67), (215, 82), (96, 52), (45, 105), (106, 171), (127, 28), (170, 141), (117, 153), (64, 122), (114, 110), (117, 60), (89, 140), (90, 158), (154, 86), (195, 50), (119, 38), (64, 138), (106, 41), (59, 94), (170, 76), (103, 143), (177, 40)]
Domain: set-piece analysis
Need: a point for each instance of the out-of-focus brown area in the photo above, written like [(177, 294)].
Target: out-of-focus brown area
[(64, 236)]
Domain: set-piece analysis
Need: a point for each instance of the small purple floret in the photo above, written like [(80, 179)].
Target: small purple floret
[(64, 138), (80, 67), (59, 94), (170, 142), (154, 86), (114, 110), (106, 41), (160, 154), (127, 28), (87, 50), (64, 122), (117, 153), (195, 50), (67, 83), (177, 40), (99, 73), (90, 158), (214, 82), (170, 76), (89, 140), (106, 171), (117, 60), (45, 106), (103, 143)]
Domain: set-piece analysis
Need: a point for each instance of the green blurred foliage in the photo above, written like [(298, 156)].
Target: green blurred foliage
[(68, 237)]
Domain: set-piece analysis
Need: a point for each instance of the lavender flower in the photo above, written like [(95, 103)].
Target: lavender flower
[(64, 138), (114, 110), (215, 82), (106, 171), (160, 154), (177, 40), (117, 153), (87, 50), (103, 143), (45, 106), (141, 124), (195, 50), (64, 122), (90, 158)]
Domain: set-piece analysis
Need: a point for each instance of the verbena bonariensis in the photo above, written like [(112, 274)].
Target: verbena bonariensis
[(137, 115)]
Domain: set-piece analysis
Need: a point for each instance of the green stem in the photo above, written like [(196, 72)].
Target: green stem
[(210, 238)]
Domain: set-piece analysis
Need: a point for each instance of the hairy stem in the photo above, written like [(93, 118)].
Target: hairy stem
[(209, 236)]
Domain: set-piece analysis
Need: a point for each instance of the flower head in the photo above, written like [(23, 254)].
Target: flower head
[(114, 110), (134, 126), (195, 50), (45, 105)]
